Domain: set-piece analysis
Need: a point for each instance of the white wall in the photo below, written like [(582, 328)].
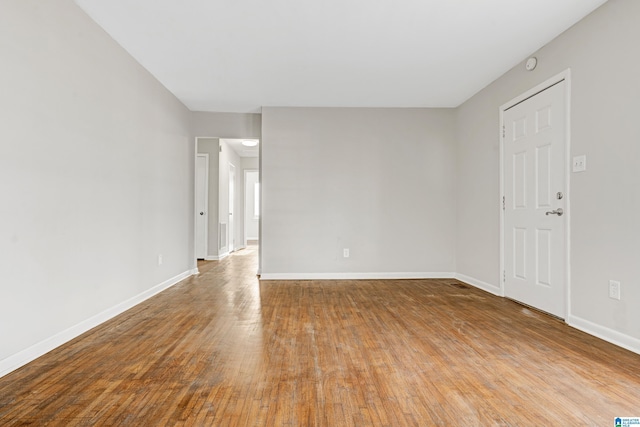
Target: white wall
[(380, 182), (96, 178), (250, 163), (226, 125), (601, 51)]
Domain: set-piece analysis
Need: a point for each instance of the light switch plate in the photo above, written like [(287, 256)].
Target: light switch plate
[(580, 163)]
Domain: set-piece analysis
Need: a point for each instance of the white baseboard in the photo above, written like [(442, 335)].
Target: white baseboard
[(216, 257), (602, 332), (607, 334), (353, 276), (492, 289), (27, 355)]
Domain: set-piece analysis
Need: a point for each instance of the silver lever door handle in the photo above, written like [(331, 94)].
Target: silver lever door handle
[(558, 212)]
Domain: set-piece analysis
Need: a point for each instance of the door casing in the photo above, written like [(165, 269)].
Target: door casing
[(248, 215), (231, 230)]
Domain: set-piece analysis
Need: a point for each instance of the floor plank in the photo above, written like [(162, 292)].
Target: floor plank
[(221, 348)]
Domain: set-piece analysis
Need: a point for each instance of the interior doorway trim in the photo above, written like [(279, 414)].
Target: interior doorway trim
[(246, 211), (195, 206), (231, 211), (563, 76)]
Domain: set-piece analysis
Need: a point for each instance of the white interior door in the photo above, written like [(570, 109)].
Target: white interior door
[(535, 200), (202, 190), (232, 187)]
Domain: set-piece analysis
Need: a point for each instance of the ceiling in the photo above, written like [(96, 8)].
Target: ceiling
[(241, 55)]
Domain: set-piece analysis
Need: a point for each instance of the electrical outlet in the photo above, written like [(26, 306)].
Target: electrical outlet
[(160, 259), (345, 252), (580, 163), (614, 289)]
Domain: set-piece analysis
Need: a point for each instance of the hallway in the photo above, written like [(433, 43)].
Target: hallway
[(221, 348)]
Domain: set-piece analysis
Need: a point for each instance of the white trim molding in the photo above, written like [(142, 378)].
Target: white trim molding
[(492, 289), (354, 276), (244, 204), (216, 257), (27, 355), (614, 337)]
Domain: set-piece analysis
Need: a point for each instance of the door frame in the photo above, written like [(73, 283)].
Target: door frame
[(206, 200), (566, 76), (231, 211), (244, 201)]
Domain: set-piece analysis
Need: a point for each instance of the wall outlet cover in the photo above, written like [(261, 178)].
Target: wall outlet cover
[(614, 289), (579, 163)]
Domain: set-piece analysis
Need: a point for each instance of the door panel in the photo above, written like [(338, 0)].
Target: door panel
[(534, 173), (520, 253), (543, 172), (520, 180)]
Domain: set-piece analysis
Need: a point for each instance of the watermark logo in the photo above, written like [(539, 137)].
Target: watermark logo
[(626, 421)]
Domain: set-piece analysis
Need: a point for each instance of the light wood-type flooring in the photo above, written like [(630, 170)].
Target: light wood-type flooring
[(223, 349)]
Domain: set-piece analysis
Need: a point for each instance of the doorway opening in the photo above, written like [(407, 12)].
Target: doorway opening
[(220, 195)]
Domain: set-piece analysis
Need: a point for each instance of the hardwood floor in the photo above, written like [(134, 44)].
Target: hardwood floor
[(223, 349)]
